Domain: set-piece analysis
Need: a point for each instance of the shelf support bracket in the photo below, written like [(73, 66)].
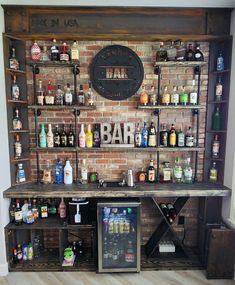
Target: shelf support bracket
[(76, 69), (77, 112)]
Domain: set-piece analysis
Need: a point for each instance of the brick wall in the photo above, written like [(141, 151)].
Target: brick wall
[(111, 164)]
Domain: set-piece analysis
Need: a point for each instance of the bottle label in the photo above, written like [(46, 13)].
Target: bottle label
[(172, 139), (18, 216), (151, 175), (184, 98), (50, 141), (166, 175), (218, 90), (17, 125), (213, 175), (49, 100), (68, 98), (82, 141), (181, 140), (215, 149), (46, 176), (62, 212), (164, 137), (14, 64), (188, 173), (152, 140), (57, 141), (74, 54), (64, 57), (84, 174), (178, 172), (193, 98), (18, 149), (21, 175), (15, 92), (220, 63), (189, 141), (175, 98), (166, 99), (40, 99)]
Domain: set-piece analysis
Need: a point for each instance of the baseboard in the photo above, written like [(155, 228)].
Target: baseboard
[(3, 269)]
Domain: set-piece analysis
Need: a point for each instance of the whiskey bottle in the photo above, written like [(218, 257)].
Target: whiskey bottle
[(137, 136), (50, 137), (81, 96), (189, 139), (161, 53), (198, 55), (144, 136), (74, 52), (18, 147), (172, 136), (71, 137), (165, 97), (213, 173), (151, 172), (175, 96), (18, 214), (40, 93), (193, 94), (55, 56), (89, 137), (15, 90), (96, 136), (183, 96), (63, 138), (189, 55), (17, 124), (49, 98), (64, 55), (215, 147), (144, 98), (82, 137), (42, 137), (35, 52), (220, 62), (218, 90), (216, 121), (68, 96), (20, 174), (56, 137), (152, 136), (13, 61), (59, 96), (180, 138), (164, 136)]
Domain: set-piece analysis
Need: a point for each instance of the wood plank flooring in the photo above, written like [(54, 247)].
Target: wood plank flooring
[(189, 277)]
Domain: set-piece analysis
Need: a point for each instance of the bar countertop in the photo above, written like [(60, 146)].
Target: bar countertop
[(141, 190)]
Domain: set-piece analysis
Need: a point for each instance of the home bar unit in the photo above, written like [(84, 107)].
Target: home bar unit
[(117, 123)]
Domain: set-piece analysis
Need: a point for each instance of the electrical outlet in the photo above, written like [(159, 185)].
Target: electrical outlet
[(181, 220)]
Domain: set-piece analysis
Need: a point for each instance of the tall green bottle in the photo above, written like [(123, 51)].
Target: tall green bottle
[(216, 120), (42, 137)]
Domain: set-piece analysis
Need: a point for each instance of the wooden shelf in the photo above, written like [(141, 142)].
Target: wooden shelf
[(63, 107), (53, 64), (9, 70), (180, 149), (220, 72), (162, 107), (23, 102), (15, 160), (220, 131), (179, 63), (53, 149), (218, 102), (219, 159), (18, 131), (22, 184)]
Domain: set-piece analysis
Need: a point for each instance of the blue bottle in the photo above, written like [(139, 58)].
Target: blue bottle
[(59, 173), (220, 62), (144, 136)]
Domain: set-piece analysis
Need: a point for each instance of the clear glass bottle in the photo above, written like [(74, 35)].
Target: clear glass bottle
[(165, 97), (82, 137), (152, 135), (216, 120), (175, 96), (215, 147), (42, 137), (44, 54), (50, 137), (161, 53), (180, 138), (213, 173), (13, 60), (20, 174), (193, 94), (17, 147), (35, 52), (166, 173), (81, 96), (189, 138), (90, 96), (177, 171), (47, 174), (17, 124), (218, 90), (15, 90), (49, 98), (144, 136), (84, 172), (188, 172), (137, 136), (55, 55), (220, 62), (40, 93), (68, 96), (74, 51), (59, 96)]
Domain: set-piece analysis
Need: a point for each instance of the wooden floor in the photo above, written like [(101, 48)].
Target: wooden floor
[(188, 277)]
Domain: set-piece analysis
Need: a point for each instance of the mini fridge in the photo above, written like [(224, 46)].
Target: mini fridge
[(118, 236)]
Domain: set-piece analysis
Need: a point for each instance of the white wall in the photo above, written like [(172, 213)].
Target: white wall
[(4, 160)]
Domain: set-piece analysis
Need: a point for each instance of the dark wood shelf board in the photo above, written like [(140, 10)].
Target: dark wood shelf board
[(63, 107), (220, 72), (218, 102), (10, 70), (23, 102), (215, 159), (151, 107), (53, 149), (179, 63), (180, 149), (115, 79), (54, 64), (22, 184), (17, 160), (220, 131), (142, 190), (18, 131)]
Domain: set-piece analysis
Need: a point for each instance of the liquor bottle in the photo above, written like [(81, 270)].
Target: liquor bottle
[(215, 147), (56, 137), (180, 138), (81, 96), (220, 62), (152, 97), (213, 173), (151, 172), (218, 90), (49, 98), (189, 139), (189, 55), (74, 52), (55, 51), (164, 136), (30, 251), (40, 94), (35, 52), (29, 214), (193, 94), (90, 96), (15, 90), (68, 96), (42, 137), (164, 209), (137, 136), (216, 121), (175, 96), (63, 138), (35, 209), (64, 55), (172, 136), (96, 136), (152, 136), (172, 213), (144, 136), (20, 174), (24, 209), (89, 137), (12, 209), (19, 252), (59, 96), (18, 214), (44, 54), (68, 172), (180, 51), (52, 211), (144, 98), (47, 174), (166, 173), (161, 53), (13, 61), (43, 210), (198, 55), (17, 124), (71, 137), (177, 171), (62, 209), (82, 137), (84, 173), (183, 96), (17, 147), (50, 137), (171, 52), (187, 172), (165, 97), (59, 173)]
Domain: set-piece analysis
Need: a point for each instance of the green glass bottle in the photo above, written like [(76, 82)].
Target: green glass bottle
[(184, 98), (216, 120), (42, 137)]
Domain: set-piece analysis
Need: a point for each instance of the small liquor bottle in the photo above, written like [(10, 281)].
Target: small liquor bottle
[(171, 52), (42, 137), (187, 172), (82, 137), (35, 52), (96, 136), (50, 137), (213, 173), (90, 96), (164, 136), (216, 120), (71, 137), (84, 173), (151, 172), (164, 209), (81, 96), (15, 90), (49, 98), (165, 97), (172, 136), (18, 147), (198, 55), (144, 98), (144, 136), (68, 173), (189, 55), (175, 96), (218, 90), (68, 96), (177, 171), (20, 174), (56, 137), (215, 147), (44, 54), (189, 139), (13, 61), (55, 51), (137, 136), (184, 96), (193, 94), (63, 138), (89, 137), (152, 136), (74, 52), (59, 96), (40, 93), (64, 55), (220, 62), (180, 138), (17, 124), (166, 175), (161, 53)]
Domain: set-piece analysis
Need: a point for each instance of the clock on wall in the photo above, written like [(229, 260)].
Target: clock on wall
[(116, 72)]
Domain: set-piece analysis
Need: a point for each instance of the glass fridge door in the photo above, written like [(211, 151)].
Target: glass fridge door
[(119, 237)]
